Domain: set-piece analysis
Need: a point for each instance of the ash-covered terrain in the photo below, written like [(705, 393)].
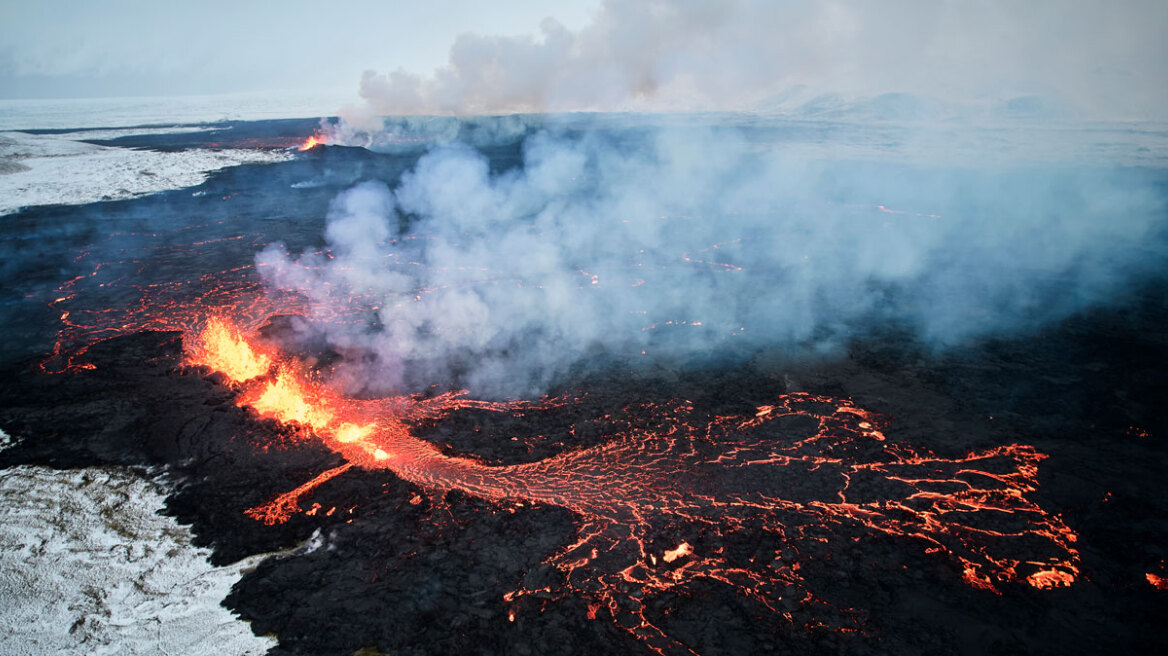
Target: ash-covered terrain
[(968, 308)]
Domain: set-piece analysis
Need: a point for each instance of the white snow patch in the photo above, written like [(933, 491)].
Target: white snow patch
[(314, 542), (88, 566), (28, 114), (55, 169), (117, 133), (6, 440)]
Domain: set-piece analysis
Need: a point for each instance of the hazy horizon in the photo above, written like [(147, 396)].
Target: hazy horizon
[(1078, 59)]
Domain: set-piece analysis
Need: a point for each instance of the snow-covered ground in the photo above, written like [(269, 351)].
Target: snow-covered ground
[(89, 566), (58, 169), (68, 113)]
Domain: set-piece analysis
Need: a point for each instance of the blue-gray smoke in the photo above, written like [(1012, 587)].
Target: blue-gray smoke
[(663, 240)]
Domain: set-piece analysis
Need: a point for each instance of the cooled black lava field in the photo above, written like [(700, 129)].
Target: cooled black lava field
[(947, 452)]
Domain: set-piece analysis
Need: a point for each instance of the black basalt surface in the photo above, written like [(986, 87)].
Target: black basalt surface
[(405, 571), (402, 570)]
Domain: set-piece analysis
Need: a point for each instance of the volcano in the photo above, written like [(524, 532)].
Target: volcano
[(884, 495)]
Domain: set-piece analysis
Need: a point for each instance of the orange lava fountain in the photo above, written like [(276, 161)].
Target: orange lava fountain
[(221, 347), (798, 469), (312, 142)]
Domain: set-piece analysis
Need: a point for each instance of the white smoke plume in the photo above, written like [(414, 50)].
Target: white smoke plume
[(1093, 59), (638, 244), (897, 188)]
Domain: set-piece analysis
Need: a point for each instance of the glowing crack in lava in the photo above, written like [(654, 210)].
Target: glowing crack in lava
[(801, 470)]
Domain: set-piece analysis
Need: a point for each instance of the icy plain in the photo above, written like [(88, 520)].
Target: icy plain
[(89, 566)]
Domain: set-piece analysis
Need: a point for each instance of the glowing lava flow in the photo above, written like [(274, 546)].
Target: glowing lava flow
[(312, 142), (1158, 582), (221, 347), (802, 468)]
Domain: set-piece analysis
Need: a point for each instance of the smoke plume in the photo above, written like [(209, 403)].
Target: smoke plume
[(1094, 59), (644, 243), (915, 165)]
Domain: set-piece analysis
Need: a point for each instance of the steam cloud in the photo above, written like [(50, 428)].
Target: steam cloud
[(1100, 60), (691, 237), (693, 243)]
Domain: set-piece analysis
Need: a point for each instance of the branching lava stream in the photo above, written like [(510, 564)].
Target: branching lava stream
[(792, 468)]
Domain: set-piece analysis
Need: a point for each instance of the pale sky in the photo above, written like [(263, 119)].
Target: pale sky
[(1105, 59), (107, 48)]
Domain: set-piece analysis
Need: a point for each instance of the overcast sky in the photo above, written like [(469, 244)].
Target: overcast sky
[(103, 48), (1104, 59)]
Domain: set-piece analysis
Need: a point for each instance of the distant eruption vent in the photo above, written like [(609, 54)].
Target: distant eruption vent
[(312, 142)]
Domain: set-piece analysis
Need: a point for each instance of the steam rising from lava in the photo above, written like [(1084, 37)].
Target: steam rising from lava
[(1100, 59), (684, 244)]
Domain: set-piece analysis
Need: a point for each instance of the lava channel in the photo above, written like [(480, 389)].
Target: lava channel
[(798, 469)]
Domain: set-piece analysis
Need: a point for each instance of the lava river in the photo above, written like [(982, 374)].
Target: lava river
[(792, 469)]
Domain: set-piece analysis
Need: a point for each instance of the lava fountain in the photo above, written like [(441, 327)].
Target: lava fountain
[(312, 142), (791, 469)]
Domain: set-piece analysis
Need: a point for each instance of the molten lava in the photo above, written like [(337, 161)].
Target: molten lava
[(220, 347), (312, 142), (800, 469)]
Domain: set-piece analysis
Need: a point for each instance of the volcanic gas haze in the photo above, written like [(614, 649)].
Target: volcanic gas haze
[(1044, 58), (701, 242)]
